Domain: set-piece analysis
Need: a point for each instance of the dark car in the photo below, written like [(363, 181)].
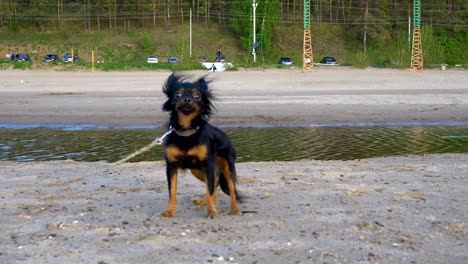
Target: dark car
[(68, 57), (285, 61), (22, 57), (329, 61), (172, 59), (201, 59), (50, 57)]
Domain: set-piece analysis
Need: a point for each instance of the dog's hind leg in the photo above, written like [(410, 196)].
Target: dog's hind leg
[(172, 183), (229, 178), (201, 176), (211, 202)]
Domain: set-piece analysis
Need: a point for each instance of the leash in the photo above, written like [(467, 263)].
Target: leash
[(157, 141)]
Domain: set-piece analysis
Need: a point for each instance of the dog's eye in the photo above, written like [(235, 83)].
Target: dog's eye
[(177, 96), (197, 96)]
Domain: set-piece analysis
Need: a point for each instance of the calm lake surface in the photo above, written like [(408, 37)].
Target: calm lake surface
[(252, 144)]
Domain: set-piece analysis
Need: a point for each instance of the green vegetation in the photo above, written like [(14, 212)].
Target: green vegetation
[(359, 33)]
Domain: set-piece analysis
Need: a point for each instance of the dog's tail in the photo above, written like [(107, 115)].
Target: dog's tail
[(225, 187)]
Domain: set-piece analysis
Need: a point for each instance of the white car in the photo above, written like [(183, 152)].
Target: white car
[(152, 59), (285, 61)]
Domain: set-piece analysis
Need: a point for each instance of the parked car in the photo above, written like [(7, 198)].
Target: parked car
[(329, 61), (285, 61), (68, 57), (172, 59), (22, 57), (50, 57), (152, 59)]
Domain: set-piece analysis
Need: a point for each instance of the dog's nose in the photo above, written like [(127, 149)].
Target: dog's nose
[(188, 99)]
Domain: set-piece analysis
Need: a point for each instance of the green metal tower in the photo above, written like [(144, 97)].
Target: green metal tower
[(307, 55), (416, 51)]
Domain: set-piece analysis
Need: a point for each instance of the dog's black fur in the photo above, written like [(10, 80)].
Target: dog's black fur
[(196, 145)]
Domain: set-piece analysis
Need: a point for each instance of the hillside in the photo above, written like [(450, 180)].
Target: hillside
[(122, 34)]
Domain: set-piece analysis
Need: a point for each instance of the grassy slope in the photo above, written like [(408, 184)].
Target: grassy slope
[(127, 47), (126, 50)]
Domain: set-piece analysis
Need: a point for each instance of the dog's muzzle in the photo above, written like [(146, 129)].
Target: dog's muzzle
[(186, 108)]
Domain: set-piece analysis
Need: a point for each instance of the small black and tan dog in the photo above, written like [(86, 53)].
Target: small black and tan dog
[(196, 145)]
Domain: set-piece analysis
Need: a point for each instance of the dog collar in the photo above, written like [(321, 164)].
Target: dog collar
[(185, 133)]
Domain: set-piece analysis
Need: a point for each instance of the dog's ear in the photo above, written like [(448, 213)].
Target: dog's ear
[(171, 84), (208, 97), (203, 84), (169, 89)]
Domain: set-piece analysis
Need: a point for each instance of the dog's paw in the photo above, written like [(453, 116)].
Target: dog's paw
[(235, 211), (167, 213), (212, 214), (200, 202)]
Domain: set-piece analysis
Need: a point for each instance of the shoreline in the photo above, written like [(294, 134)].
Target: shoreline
[(248, 125)]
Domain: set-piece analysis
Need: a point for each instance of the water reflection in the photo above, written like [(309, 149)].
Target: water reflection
[(252, 144)]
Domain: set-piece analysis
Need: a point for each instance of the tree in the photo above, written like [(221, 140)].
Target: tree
[(267, 17)]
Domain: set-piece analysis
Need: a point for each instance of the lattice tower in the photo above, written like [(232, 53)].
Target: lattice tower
[(307, 53), (416, 50)]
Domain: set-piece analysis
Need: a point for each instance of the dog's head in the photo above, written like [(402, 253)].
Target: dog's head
[(187, 100)]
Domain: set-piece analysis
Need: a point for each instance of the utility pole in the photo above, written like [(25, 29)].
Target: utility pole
[(190, 32), (254, 43)]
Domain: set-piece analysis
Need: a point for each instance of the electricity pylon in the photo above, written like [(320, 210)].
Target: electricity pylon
[(416, 51), (307, 54)]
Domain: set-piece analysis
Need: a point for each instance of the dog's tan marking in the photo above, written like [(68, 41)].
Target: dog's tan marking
[(170, 211), (201, 202), (173, 153), (185, 121), (200, 151), (211, 201), (224, 166), (201, 176), (198, 174)]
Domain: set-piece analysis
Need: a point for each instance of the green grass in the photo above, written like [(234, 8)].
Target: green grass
[(15, 65), (128, 50)]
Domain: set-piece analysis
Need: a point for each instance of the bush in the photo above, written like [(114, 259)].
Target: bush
[(360, 59), (146, 44)]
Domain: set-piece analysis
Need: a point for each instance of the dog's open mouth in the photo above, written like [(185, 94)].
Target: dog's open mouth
[(186, 108)]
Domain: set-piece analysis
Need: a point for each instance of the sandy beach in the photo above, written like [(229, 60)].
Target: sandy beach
[(406, 209), (327, 95)]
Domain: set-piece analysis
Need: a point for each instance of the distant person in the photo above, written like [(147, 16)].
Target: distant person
[(8, 56), (213, 68), (219, 56)]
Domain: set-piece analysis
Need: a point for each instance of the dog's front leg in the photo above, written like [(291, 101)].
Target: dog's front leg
[(171, 173)]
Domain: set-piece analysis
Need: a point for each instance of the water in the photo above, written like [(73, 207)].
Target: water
[(252, 144)]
